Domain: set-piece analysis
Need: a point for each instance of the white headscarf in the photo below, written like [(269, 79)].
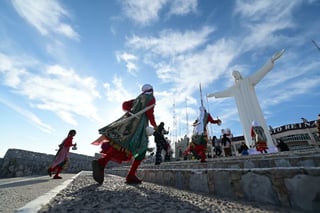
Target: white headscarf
[(147, 89)]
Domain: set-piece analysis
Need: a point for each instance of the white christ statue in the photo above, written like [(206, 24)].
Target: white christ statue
[(246, 99)]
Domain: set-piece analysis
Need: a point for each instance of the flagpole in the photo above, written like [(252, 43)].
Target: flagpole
[(316, 45), (201, 95)]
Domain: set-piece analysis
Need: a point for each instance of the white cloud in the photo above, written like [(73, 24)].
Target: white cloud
[(116, 91), (30, 116), (265, 10), (62, 91), (205, 66), (54, 89), (129, 59), (289, 81), (170, 42), (291, 90), (142, 12), (263, 19), (183, 7), (192, 59), (67, 30), (45, 16), (11, 76)]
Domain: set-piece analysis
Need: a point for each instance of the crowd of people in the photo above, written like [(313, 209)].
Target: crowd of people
[(126, 139)]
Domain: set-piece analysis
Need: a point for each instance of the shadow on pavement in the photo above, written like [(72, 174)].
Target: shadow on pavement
[(23, 183)]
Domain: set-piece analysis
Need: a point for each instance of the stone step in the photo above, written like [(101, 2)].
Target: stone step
[(289, 179), (309, 158)]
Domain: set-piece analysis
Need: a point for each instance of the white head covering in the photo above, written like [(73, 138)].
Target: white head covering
[(149, 131), (147, 88)]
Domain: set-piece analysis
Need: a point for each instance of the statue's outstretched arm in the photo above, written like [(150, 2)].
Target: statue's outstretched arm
[(257, 76), (277, 55), (226, 93)]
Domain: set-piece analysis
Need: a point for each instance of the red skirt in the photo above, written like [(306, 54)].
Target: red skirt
[(114, 151), (117, 154), (261, 146)]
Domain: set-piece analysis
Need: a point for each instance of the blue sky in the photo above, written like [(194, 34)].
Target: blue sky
[(70, 64)]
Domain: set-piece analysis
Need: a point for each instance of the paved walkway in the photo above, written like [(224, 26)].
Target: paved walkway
[(29, 193)]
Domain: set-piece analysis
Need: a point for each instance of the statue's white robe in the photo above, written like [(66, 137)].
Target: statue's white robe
[(247, 102)]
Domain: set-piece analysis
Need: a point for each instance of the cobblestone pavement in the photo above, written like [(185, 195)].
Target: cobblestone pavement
[(84, 195)]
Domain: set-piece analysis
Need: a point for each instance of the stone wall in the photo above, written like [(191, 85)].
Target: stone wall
[(18, 163), (289, 179)]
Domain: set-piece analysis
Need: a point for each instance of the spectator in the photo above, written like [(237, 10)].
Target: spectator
[(161, 142), (318, 125), (243, 149), (226, 143), (282, 145), (216, 145)]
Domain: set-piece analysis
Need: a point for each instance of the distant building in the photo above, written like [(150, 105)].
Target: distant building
[(297, 136), (181, 146)]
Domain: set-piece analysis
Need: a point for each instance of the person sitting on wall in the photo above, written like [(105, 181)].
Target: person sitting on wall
[(216, 145), (226, 143), (282, 145), (244, 149), (318, 125)]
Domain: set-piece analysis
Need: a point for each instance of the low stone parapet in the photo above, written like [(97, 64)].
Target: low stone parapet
[(19, 163), (309, 158)]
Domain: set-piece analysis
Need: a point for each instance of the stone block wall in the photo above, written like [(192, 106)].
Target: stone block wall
[(19, 163), (289, 179)]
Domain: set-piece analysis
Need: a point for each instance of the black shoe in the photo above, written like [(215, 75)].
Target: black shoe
[(97, 172), (132, 179)]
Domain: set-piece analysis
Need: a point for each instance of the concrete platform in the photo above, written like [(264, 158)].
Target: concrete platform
[(28, 194)]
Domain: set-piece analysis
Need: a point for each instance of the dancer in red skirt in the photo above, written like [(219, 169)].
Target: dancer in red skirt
[(61, 158), (199, 138), (127, 137)]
